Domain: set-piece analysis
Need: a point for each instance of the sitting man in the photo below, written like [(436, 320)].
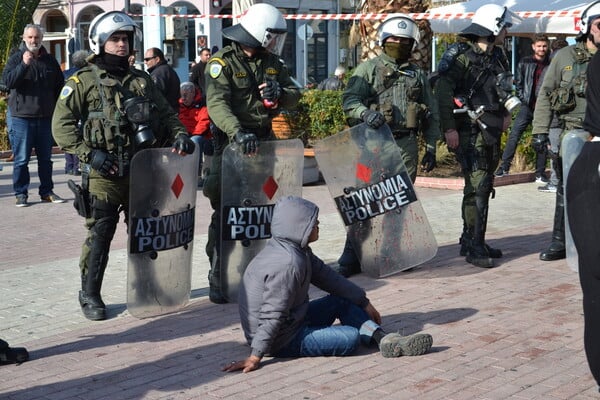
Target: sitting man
[(276, 315)]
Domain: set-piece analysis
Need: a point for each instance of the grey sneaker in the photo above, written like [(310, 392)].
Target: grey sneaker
[(547, 188), (52, 198), (21, 201), (396, 345)]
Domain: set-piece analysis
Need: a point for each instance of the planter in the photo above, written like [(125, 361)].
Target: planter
[(281, 127), (311, 173)]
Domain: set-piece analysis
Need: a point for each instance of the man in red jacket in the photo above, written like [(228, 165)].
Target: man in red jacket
[(193, 114)]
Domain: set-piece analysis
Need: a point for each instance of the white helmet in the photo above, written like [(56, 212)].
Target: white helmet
[(399, 25), (587, 16), (262, 25), (106, 24), (489, 20)]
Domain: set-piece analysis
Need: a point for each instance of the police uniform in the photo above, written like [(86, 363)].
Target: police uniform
[(235, 104), (467, 71), (563, 92), (403, 95), (95, 99)]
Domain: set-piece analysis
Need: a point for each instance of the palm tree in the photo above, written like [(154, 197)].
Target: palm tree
[(14, 15), (368, 28)]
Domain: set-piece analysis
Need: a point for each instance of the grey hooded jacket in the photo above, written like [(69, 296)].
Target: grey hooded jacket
[(273, 297)]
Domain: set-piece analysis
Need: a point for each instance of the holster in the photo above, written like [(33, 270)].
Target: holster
[(82, 199)]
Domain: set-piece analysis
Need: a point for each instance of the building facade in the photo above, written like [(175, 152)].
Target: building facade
[(313, 50)]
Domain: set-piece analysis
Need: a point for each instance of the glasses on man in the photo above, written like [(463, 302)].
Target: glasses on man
[(146, 59)]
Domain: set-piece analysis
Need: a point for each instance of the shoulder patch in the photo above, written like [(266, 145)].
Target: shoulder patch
[(65, 92), (214, 69), (218, 60), (74, 78)]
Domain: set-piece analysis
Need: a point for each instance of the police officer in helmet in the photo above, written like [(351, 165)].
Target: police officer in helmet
[(390, 89), (476, 74), (106, 112), (563, 93), (246, 86)]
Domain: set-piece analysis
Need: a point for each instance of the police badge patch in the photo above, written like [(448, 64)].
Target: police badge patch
[(215, 68), (65, 92)]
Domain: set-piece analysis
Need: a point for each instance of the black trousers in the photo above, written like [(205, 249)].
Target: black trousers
[(583, 207)]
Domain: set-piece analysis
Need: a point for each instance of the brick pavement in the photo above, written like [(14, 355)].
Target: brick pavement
[(514, 331)]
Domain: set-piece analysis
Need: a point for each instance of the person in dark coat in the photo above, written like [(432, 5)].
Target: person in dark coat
[(163, 75)]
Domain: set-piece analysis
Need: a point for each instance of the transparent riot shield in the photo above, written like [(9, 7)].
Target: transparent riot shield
[(375, 197), (251, 186), (162, 206), (571, 146)]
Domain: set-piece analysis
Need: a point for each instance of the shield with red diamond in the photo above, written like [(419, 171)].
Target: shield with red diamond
[(376, 199), (251, 186), (162, 206)]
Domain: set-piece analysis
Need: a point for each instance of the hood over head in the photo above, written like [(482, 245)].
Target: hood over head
[(293, 219)]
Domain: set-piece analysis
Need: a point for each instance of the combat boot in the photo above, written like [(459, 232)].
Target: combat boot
[(91, 303), (92, 306), (12, 355), (465, 242), (557, 249), (348, 263), (479, 256)]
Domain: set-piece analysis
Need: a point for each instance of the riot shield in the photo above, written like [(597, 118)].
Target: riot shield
[(251, 186), (376, 199), (162, 206), (571, 146)]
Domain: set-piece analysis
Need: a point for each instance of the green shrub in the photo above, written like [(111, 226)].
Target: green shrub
[(319, 114)]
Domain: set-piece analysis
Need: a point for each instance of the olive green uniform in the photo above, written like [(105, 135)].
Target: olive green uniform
[(467, 71), (234, 104), (89, 116), (404, 96), (562, 91)]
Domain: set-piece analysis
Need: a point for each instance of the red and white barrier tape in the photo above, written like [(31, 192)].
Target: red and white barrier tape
[(372, 16)]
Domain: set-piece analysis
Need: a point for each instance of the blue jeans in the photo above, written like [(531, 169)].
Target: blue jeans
[(318, 338), (25, 135), (522, 121)]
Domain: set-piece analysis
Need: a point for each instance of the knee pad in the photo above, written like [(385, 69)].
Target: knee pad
[(485, 187), (107, 216)]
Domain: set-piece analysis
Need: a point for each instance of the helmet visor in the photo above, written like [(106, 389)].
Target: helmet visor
[(274, 40), (508, 19)]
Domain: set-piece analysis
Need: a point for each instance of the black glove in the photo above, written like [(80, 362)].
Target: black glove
[(428, 162), (247, 141), (184, 144), (104, 163), (374, 119), (272, 91), (540, 142)]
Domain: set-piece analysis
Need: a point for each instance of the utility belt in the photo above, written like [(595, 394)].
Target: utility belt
[(570, 123), (402, 133)]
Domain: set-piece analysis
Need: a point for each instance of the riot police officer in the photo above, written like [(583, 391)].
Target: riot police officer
[(474, 75), (246, 85), (120, 111), (582, 194), (563, 92), (390, 89)]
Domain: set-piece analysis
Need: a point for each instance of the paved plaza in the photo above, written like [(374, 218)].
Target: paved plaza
[(511, 332)]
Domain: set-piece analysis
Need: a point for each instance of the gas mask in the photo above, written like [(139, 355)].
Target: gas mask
[(504, 86), (138, 111), (398, 51)]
